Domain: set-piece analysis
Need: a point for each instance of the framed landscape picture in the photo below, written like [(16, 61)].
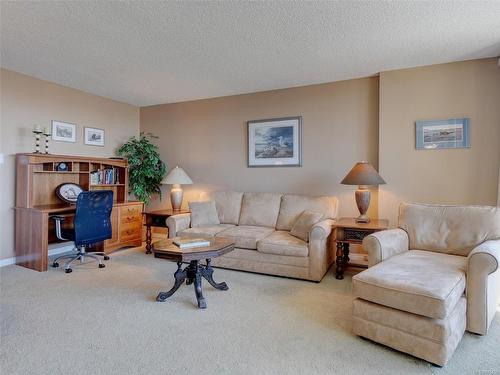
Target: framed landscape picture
[(275, 142), (63, 131), (436, 134), (93, 136)]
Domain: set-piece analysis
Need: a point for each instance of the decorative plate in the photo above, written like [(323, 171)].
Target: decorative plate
[(68, 192), (62, 167)]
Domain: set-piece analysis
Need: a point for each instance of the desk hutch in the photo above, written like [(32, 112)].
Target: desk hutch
[(38, 175)]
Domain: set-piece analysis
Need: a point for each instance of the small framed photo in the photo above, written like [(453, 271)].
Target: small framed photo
[(275, 142), (93, 136), (63, 131), (437, 134)]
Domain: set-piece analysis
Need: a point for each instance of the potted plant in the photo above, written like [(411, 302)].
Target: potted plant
[(146, 170)]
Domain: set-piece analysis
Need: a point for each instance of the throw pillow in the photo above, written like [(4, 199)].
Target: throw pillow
[(203, 214), (304, 223)]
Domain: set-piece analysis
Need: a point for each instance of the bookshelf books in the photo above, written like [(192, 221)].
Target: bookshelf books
[(106, 176)]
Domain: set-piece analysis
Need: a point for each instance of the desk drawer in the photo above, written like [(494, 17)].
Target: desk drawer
[(126, 219), (131, 210), (130, 231), (131, 214)]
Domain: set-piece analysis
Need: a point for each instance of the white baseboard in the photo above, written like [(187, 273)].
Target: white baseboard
[(53, 250)]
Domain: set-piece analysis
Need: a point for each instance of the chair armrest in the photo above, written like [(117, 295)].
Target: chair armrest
[(58, 220), (384, 244), (321, 255), (483, 286), (177, 223)]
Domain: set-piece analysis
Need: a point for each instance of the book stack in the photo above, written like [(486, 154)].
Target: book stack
[(186, 243), (107, 176)]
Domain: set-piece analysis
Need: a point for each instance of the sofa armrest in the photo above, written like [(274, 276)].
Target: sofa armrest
[(384, 244), (483, 286), (321, 255), (177, 223)]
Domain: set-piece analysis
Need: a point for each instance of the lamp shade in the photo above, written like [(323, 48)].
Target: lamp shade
[(177, 176), (363, 173)]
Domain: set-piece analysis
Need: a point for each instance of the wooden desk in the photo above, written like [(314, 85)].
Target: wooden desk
[(35, 230), (157, 219), (348, 231), (37, 177)]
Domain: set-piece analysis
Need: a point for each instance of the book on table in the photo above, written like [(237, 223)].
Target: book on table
[(185, 243)]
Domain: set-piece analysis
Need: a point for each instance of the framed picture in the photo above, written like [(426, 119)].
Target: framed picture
[(275, 142), (93, 136), (436, 134), (63, 131)]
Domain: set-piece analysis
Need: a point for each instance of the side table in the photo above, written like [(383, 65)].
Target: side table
[(157, 219), (347, 231)]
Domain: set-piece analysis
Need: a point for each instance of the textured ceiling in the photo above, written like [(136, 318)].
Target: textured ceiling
[(154, 52)]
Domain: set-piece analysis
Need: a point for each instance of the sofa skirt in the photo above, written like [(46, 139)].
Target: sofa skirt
[(433, 340)]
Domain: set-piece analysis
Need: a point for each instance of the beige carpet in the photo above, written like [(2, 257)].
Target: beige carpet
[(106, 321)]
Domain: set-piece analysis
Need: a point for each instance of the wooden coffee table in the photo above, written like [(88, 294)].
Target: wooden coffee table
[(195, 271)]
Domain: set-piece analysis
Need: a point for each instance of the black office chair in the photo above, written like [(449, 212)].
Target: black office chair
[(92, 224)]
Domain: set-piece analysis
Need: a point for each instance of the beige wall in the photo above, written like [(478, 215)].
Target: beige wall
[(208, 139), (458, 176), (26, 101)]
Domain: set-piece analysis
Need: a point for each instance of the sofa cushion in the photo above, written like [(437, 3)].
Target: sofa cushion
[(245, 236), (449, 229), (304, 223), (283, 243), (209, 231), (260, 209), (293, 205), (203, 214), (420, 282), (228, 204)]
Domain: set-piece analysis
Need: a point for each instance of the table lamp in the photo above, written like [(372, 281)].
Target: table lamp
[(363, 174), (176, 177)]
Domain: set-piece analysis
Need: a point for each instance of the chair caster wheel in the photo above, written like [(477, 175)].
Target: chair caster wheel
[(102, 265), (106, 257), (55, 265), (68, 270)]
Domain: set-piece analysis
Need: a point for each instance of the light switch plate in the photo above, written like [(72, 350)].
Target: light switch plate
[(1, 158)]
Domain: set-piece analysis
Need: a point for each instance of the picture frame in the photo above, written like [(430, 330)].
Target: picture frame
[(275, 142), (93, 136), (63, 131), (442, 134)]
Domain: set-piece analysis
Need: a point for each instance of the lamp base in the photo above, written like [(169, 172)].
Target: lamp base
[(363, 202), (176, 197), (362, 219)]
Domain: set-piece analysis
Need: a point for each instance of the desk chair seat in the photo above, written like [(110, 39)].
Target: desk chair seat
[(92, 224)]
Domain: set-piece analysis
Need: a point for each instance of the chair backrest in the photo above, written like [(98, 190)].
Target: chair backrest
[(92, 220), (449, 229)]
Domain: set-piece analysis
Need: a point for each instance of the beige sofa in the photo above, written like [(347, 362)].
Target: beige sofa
[(260, 224), (429, 280)]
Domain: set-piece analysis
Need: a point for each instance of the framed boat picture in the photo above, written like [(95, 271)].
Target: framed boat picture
[(275, 142), (438, 134)]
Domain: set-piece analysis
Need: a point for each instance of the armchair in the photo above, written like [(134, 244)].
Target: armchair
[(430, 279)]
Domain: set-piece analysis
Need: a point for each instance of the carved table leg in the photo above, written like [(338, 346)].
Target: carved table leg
[(202, 304), (180, 276), (339, 263), (346, 254), (148, 239), (207, 272)]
